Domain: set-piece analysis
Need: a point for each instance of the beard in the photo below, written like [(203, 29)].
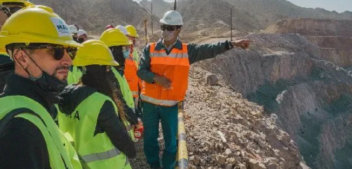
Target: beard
[(55, 74)]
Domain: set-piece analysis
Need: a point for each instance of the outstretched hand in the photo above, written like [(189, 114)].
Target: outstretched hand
[(243, 43)]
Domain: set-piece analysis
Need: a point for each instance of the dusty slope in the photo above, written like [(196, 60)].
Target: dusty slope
[(203, 14), (94, 15), (310, 96), (253, 140)]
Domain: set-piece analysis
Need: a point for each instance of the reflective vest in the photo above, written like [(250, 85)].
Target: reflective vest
[(131, 69), (61, 153), (134, 53), (127, 96), (95, 151), (74, 75), (175, 67)]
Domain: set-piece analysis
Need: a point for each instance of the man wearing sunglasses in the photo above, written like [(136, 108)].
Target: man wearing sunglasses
[(164, 69), (7, 8), (42, 51)]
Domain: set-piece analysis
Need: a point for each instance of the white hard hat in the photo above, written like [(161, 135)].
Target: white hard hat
[(81, 32), (122, 29), (73, 29), (172, 18)]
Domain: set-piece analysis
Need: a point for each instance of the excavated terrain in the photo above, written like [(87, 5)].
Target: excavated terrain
[(311, 97)]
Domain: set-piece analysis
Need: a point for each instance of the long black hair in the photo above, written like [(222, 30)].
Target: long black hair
[(118, 55), (99, 78)]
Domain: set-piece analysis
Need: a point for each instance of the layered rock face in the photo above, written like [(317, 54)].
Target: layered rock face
[(334, 37), (311, 97)]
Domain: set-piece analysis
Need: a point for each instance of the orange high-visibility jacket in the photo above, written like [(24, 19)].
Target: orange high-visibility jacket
[(175, 67), (131, 75)]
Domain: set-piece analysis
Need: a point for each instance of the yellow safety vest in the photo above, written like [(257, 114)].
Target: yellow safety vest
[(74, 75), (61, 153), (127, 96), (95, 151)]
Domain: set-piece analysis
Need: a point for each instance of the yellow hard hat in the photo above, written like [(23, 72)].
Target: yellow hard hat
[(114, 37), (3, 51), (94, 52), (25, 2), (132, 31), (36, 24)]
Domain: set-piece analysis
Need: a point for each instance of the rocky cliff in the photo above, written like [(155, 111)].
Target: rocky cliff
[(310, 96), (313, 27), (334, 37), (271, 11)]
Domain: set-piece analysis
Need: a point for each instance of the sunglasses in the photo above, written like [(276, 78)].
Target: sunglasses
[(169, 27), (58, 50)]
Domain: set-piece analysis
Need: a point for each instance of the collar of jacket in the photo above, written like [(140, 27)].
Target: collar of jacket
[(20, 86), (159, 45)]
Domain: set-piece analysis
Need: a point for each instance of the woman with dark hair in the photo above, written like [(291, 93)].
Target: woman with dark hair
[(91, 112), (120, 48)]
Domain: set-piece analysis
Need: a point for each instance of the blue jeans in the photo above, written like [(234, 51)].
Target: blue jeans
[(168, 116)]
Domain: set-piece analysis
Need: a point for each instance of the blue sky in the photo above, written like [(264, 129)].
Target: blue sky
[(337, 5)]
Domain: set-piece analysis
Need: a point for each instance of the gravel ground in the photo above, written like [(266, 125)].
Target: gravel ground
[(140, 162)]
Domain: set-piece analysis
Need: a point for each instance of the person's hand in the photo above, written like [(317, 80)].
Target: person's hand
[(243, 43), (139, 125), (163, 81)]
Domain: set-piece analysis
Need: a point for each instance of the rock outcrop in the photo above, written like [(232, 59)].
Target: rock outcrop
[(270, 11), (334, 37), (310, 96)]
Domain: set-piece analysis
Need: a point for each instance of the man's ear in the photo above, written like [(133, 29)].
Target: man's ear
[(179, 30), (20, 57)]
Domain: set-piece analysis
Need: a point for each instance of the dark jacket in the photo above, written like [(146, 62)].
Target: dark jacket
[(107, 121), (4, 74), (195, 52), (23, 145)]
